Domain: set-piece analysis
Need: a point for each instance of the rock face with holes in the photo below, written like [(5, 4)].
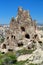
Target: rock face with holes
[(24, 34), (22, 29)]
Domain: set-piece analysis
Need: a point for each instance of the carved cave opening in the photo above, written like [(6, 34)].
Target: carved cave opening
[(35, 35), (7, 37), (4, 46), (27, 36), (20, 44), (22, 28), (10, 49), (12, 36)]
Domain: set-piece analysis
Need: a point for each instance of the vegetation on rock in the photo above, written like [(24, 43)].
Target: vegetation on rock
[(1, 39)]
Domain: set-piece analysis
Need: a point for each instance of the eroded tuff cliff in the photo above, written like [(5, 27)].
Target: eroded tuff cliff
[(22, 30)]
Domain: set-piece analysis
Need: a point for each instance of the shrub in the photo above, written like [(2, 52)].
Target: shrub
[(1, 39), (24, 51), (7, 59)]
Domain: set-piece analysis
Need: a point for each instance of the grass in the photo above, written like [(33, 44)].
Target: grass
[(32, 64), (20, 63), (7, 58), (11, 59), (24, 51)]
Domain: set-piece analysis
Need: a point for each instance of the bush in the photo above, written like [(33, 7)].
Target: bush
[(24, 51), (1, 39), (7, 59), (32, 64)]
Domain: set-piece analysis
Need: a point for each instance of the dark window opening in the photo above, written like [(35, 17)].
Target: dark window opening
[(39, 41), (7, 37), (22, 28), (35, 35), (10, 49), (29, 47), (27, 36), (20, 44), (12, 36), (4, 46)]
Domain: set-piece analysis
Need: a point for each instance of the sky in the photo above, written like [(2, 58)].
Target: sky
[(9, 8)]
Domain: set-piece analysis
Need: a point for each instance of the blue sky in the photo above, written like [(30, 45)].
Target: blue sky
[(8, 8)]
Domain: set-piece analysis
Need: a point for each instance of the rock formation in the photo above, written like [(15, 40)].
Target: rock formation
[(22, 30), (23, 33)]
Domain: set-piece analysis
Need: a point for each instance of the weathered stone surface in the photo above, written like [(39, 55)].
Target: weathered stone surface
[(22, 28), (23, 33)]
